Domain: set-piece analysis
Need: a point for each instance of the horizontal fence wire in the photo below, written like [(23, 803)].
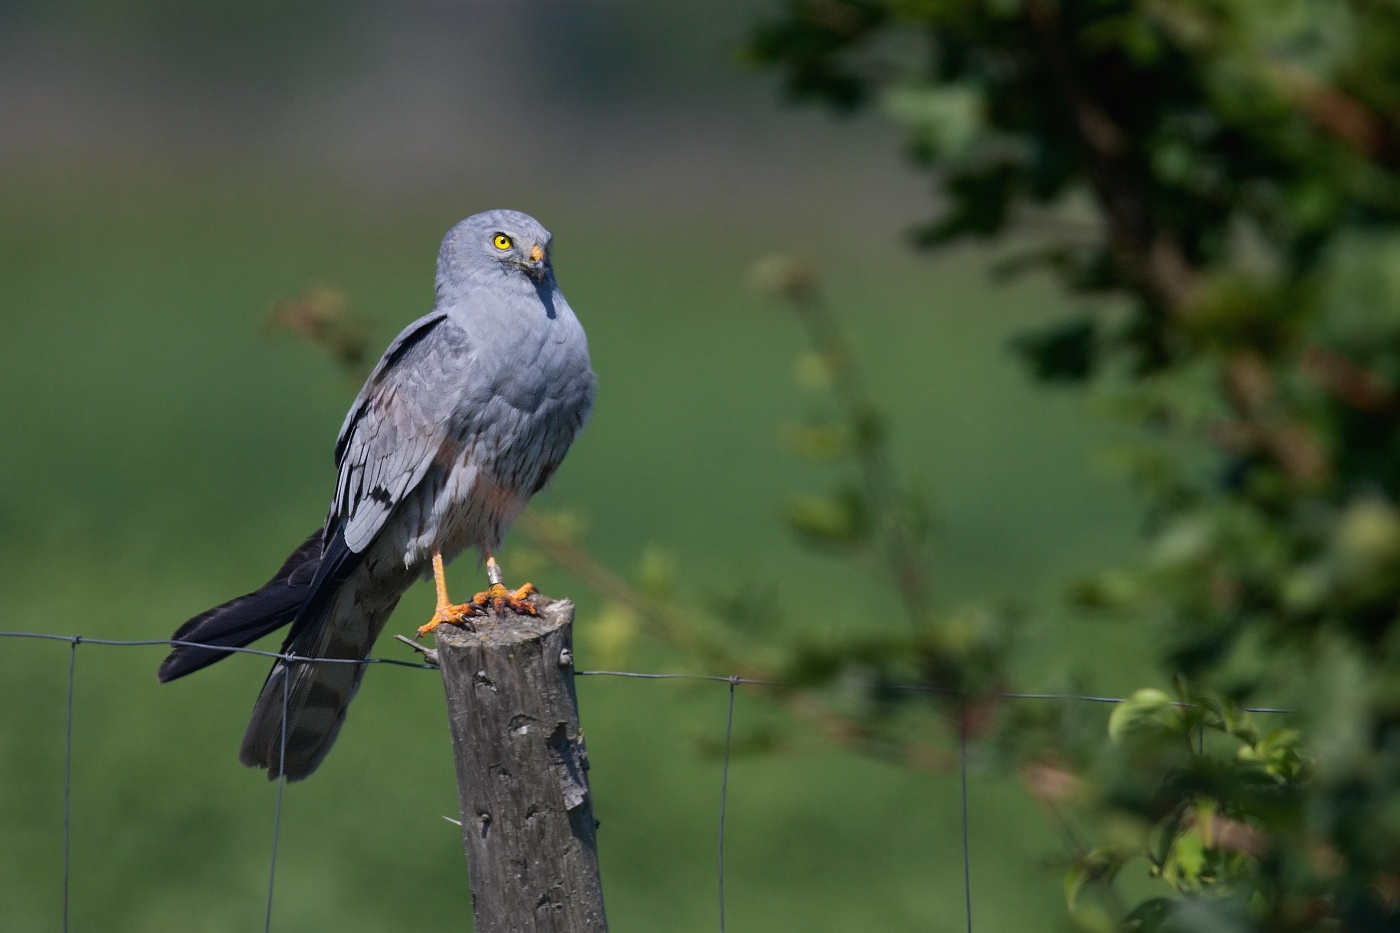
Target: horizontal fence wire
[(639, 675), (177, 643), (732, 681)]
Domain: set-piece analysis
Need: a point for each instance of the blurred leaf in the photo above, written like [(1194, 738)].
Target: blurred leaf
[(568, 524), (1110, 590), (813, 371), (1096, 865), (818, 441), (786, 277), (1150, 916), (1185, 864), (1368, 533), (943, 120), (610, 637), (1064, 353), (753, 609), (838, 522), (1145, 713), (1279, 752), (809, 40), (525, 562), (656, 577)]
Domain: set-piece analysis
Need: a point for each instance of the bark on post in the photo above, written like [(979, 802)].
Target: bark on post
[(522, 783)]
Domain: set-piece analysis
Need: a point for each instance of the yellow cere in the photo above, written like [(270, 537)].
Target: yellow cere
[(502, 241)]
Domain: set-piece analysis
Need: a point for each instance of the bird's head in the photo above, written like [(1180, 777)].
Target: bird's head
[(494, 243)]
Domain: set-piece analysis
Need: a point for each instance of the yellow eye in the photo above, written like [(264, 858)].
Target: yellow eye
[(502, 241)]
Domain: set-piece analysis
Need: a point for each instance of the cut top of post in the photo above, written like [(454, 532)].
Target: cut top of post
[(494, 630)]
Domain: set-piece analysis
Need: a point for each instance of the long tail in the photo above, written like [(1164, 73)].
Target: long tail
[(244, 620), (337, 609), (302, 706)]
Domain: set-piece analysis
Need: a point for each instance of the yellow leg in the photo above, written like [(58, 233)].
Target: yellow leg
[(496, 597), (446, 611), (440, 578)]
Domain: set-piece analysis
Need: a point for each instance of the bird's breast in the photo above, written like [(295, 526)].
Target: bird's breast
[(506, 447)]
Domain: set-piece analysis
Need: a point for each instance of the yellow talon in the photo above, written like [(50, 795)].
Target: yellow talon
[(497, 597), (500, 599), (447, 612)]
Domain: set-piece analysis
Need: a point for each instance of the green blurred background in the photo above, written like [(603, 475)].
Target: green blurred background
[(169, 171)]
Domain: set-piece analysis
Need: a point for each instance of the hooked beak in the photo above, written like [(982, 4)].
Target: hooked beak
[(534, 266)]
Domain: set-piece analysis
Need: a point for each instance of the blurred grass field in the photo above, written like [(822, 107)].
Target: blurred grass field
[(161, 452)]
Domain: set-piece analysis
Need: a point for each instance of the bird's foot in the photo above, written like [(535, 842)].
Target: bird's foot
[(459, 614), (497, 598), (500, 599)]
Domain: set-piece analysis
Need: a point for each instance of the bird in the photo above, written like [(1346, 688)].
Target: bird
[(467, 415)]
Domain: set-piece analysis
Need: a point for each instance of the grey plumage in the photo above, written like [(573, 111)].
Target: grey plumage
[(467, 415)]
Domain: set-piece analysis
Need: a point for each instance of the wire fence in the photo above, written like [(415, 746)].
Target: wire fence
[(733, 682)]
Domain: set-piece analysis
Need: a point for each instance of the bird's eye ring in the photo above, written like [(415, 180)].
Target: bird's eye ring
[(502, 241)]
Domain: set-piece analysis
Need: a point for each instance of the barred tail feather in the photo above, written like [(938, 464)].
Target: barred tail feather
[(313, 696)]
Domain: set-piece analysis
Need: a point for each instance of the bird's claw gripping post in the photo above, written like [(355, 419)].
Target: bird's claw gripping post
[(496, 597), (500, 599), (454, 615)]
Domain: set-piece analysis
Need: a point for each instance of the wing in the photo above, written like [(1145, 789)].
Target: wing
[(397, 426)]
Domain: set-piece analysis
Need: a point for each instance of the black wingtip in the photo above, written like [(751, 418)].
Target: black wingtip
[(186, 659), (243, 620), (178, 663)]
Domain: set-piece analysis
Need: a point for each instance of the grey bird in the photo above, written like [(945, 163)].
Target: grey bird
[(467, 415)]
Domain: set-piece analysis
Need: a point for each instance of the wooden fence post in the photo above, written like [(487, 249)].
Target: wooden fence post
[(522, 781)]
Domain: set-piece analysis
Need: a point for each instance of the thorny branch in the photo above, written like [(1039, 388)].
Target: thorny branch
[(895, 542)]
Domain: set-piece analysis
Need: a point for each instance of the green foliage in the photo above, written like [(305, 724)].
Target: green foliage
[(1064, 353), (1229, 172), (1214, 805)]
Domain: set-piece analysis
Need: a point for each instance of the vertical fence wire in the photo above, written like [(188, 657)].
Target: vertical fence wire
[(967, 862), (68, 774), (281, 786), (724, 794)]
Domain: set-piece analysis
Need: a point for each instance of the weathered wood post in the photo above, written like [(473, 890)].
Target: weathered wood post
[(522, 782)]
